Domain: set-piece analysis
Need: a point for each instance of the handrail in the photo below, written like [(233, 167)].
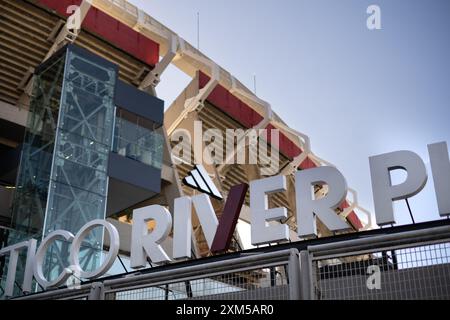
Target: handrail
[(252, 261), (350, 247), (247, 262)]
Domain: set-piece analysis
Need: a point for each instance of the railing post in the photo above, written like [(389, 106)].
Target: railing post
[(294, 275), (305, 276), (97, 291)]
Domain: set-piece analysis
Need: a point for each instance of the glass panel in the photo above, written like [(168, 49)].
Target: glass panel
[(79, 180), (62, 180), (71, 207), (34, 171), (135, 138), (81, 163)]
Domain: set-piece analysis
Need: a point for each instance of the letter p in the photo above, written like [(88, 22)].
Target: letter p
[(383, 190)]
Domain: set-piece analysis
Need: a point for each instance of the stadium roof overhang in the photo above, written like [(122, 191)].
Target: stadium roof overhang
[(31, 30)]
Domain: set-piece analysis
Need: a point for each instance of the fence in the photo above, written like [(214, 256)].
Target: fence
[(273, 276), (410, 265), (404, 265)]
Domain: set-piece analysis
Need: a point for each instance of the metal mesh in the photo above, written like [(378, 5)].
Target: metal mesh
[(421, 272), (268, 283)]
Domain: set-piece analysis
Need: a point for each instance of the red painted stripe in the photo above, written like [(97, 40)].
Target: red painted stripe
[(344, 205), (225, 101), (307, 164), (288, 147), (60, 6), (243, 113), (354, 220), (112, 30)]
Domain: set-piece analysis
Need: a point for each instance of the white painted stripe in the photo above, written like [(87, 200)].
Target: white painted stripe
[(209, 181), (196, 175), (190, 182)]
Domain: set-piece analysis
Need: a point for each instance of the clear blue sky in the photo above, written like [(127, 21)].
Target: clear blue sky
[(355, 92)]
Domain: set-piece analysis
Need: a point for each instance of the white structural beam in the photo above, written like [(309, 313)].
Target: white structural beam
[(249, 96), (193, 103), (320, 161), (268, 119), (239, 145), (68, 33), (305, 142), (154, 76), (261, 125), (353, 205), (306, 150), (72, 28), (190, 60), (294, 164)]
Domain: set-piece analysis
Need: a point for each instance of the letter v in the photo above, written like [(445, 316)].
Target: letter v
[(229, 218)]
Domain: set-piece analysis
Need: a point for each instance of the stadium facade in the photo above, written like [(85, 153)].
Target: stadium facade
[(83, 136)]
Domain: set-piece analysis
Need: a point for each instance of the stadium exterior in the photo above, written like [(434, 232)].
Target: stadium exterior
[(84, 137)]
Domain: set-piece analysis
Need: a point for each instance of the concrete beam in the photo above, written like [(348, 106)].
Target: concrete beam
[(13, 114)]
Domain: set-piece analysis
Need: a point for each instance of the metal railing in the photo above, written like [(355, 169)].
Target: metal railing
[(266, 276), (408, 265), (403, 265)]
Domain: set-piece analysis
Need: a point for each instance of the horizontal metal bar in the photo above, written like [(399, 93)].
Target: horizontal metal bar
[(379, 249), (253, 261), (178, 279), (299, 245), (378, 242), (135, 281), (61, 294)]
